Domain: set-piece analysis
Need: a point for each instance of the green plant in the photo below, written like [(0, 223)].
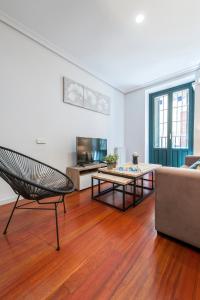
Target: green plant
[(111, 158)]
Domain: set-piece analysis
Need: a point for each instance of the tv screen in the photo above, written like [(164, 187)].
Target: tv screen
[(90, 150)]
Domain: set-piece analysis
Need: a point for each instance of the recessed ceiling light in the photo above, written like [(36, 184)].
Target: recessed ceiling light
[(139, 18)]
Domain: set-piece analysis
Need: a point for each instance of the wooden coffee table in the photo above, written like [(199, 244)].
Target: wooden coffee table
[(133, 185)]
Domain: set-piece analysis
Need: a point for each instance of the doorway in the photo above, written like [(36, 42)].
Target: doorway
[(171, 125)]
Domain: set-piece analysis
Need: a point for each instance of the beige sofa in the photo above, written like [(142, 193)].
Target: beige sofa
[(177, 206)]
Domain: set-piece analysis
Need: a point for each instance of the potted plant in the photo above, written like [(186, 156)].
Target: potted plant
[(111, 160)]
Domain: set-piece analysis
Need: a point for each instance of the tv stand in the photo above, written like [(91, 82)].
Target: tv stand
[(81, 165), (81, 175)]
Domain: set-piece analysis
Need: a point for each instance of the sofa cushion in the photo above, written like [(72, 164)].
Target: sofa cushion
[(196, 165), (191, 159)]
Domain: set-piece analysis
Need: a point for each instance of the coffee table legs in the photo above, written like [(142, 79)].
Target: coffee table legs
[(99, 186), (134, 186), (124, 195), (92, 184), (142, 187), (113, 188), (134, 191), (152, 180)]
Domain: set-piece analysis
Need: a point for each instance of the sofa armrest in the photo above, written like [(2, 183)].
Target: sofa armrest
[(191, 159), (177, 207)]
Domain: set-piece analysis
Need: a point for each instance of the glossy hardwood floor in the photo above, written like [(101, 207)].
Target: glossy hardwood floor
[(105, 254)]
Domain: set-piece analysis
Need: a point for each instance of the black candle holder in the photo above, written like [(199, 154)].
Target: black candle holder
[(135, 159)]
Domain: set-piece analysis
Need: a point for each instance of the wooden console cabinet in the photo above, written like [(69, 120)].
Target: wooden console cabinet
[(81, 176)]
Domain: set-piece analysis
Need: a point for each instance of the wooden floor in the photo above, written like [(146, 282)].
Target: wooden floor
[(105, 254)]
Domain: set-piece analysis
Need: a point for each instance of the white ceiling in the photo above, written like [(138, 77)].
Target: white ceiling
[(102, 36)]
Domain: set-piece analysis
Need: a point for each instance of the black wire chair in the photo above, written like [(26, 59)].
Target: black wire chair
[(34, 180)]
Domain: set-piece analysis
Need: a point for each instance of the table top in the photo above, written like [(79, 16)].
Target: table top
[(131, 171), (111, 178), (87, 167)]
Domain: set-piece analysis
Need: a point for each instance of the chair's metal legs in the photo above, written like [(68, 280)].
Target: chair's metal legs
[(57, 233), (5, 230), (56, 216), (63, 199)]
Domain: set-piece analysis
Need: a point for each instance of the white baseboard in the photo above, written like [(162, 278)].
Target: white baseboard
[(6, 200)]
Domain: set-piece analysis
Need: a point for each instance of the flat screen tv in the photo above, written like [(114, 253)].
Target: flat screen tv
[(90, 150)]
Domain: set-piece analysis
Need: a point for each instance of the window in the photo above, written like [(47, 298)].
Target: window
[(161, 121), (180, 114)]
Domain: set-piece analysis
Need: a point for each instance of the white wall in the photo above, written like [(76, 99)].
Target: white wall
[(137, 117), (135, 124), (31, 104), (197, 119)]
